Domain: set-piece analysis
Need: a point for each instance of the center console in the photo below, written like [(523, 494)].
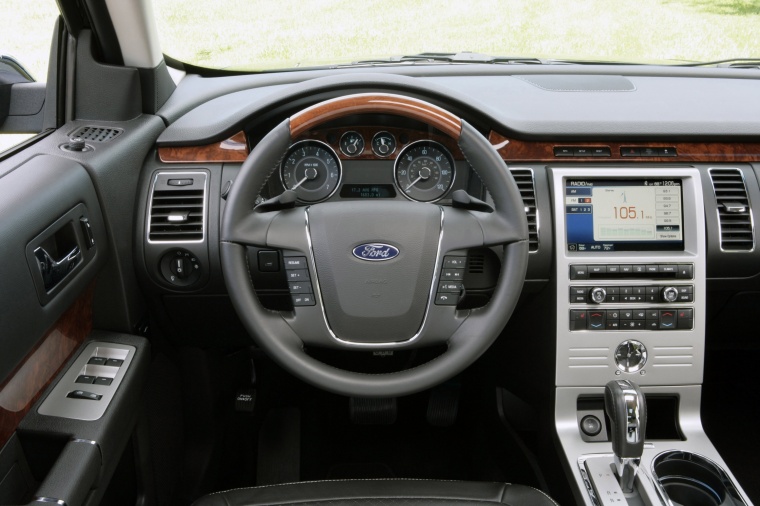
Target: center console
[(631, 268)]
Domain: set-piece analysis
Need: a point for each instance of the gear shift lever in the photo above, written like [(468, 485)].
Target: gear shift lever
[(627, 410)]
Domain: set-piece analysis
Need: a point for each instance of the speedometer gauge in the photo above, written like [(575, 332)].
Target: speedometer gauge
[(312, 170), (424, 171)]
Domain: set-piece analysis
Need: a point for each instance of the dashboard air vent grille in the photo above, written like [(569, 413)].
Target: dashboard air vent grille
[(734, 212), (525, 183), (97, 134), (177, 215)]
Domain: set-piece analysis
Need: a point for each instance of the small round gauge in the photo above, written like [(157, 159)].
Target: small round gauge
[(383, 144), (351, 143), (424, 171), (312, 170)]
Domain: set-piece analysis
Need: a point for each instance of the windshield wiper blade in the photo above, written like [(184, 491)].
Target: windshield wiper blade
[(461, 57), (730, 62)]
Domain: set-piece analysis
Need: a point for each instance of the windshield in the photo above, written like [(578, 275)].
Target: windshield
[(265, 34)]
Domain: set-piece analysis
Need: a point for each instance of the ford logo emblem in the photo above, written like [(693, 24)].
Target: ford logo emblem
[(375, 252)]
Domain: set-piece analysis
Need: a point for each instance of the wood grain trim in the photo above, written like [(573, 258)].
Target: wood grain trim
[(234, 149), (512, 150), (380, 103), (26, 383)]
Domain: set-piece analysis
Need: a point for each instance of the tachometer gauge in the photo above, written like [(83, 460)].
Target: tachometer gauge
[(424, 171), (312, 170), (351, 143), (383, 144)]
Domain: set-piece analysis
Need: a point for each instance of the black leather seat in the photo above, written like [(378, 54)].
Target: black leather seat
[(381, 492)]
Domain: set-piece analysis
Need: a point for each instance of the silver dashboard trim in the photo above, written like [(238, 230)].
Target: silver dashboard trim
[(393, 344)]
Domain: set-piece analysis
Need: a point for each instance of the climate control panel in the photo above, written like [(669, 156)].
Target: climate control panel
[(667, 294)]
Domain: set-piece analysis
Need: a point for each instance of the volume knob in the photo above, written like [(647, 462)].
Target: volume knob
[(598, 295), (669, 294)]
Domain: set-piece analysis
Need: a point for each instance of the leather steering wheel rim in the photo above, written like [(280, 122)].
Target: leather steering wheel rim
[(275, 332)]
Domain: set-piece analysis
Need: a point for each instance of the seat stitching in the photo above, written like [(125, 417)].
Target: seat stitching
[(544, 494)]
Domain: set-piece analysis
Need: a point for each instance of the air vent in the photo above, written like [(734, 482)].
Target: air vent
[(525, 183), (177, 207), (734, 212), (97, 134), (476, 263)]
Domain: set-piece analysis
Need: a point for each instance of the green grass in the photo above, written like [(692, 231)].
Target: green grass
[(260, 33)]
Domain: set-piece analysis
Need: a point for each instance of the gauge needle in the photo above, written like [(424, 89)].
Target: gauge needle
[(302, 181), (414, 183)]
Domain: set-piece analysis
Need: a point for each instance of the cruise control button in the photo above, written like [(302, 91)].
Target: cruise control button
[(297, 275), (295, 263), (300, 287), (305, 299)]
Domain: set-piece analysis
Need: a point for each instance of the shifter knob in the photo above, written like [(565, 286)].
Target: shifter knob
[(626, 407)]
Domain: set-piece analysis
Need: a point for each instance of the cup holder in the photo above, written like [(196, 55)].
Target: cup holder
[(688, 479)]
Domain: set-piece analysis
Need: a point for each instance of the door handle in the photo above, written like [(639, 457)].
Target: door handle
[(53, 271)]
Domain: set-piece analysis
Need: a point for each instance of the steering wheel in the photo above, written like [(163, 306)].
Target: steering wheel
[(360, 304)]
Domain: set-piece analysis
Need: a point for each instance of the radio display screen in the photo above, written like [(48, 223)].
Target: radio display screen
[(624, 215)]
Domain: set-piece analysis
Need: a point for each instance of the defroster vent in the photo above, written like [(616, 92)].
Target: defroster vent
[(526, 185), (96, 134), (734, 211), (177, 207)]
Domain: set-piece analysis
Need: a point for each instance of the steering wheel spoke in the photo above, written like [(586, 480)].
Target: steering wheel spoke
[(376, 267)]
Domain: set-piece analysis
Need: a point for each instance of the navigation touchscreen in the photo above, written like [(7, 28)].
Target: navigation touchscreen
[(623, 215)]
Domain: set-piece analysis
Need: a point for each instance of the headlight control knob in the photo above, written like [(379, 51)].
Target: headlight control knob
[(598, 295), (669, 294)]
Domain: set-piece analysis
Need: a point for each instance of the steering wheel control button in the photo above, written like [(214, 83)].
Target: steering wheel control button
[(269, 261), (446, 299), (450, 262), (450, 287), (590, 425), (630, 356), (452, 274), (295, 263), (298, 275), (305, 299), (82, 394), (300, 288), (85, 379), (578, 272)]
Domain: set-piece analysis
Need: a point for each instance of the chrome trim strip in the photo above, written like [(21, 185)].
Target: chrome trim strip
[(717, 210), (205, 207), (50, 500), (86, 441), (431, 294), (535, 197)]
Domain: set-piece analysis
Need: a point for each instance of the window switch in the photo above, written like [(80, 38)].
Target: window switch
[(97, 361), (81, 394), (114, 362), (85, 379), (103, 381)]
